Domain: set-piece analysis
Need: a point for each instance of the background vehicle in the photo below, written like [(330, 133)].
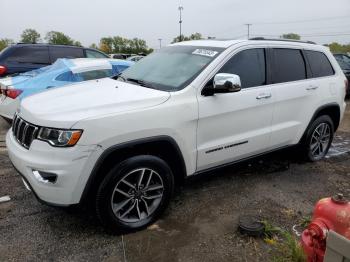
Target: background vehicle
[(21, 58), (186, 109), (344, 62), (62, 72), (135, 58)]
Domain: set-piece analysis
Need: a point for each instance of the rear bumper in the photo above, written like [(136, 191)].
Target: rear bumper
[(8, 107)]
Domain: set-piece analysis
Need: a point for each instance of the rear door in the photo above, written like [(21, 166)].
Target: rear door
[(296, 95), (27, 58), (65, 52)]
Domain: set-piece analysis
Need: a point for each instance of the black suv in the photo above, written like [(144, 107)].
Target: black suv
[(344, 62), (21, 58)]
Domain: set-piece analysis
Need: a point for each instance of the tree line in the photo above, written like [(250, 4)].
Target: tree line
[(108, 45), (118, 44)]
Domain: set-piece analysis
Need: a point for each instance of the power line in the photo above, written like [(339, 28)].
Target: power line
[(303, 21), (309, 35)]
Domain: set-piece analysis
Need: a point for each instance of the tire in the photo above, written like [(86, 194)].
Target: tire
[(313, 148), (121, 191)]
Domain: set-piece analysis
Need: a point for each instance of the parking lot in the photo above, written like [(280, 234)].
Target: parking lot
[(201, 223)]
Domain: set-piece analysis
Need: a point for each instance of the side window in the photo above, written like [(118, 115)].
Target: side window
[(65, 52), (66, 77), (95, 74), (289, 65), (319, 63), (30, 54), (94, 54), (250, 65)]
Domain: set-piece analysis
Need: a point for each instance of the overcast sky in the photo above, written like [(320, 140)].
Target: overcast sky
[(88, 21)]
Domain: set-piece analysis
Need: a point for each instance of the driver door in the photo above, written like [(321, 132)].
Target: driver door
[(233, 126)]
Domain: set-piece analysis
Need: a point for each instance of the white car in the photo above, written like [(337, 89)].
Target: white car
[(122, 145)]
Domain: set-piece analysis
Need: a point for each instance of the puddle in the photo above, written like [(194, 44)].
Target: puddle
[(340, 146)]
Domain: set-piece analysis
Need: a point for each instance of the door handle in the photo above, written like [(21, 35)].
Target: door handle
[(312, 88), (263, 96)]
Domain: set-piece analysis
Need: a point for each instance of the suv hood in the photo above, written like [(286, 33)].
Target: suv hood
[(63, 107)]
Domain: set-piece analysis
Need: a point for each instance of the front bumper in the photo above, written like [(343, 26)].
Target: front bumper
[(71, 165)]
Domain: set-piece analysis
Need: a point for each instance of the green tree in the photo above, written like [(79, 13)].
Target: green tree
[(291, 36), (5, 42), (338, 48), (58, 38), (118, 44), (106, 45), (94, 46), (30, 36), (77, 43), (195, 36)]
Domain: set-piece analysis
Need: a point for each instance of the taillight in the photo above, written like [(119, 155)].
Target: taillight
[(12, 93), (3, 70), (346, 85)]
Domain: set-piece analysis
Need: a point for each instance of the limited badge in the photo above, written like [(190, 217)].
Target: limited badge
[(205, 52)]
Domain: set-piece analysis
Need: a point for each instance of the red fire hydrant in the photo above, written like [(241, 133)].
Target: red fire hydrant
[(329, 214)]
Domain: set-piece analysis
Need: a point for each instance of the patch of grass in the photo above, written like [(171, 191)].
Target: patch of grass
[(305, 221), (285, 246), (289, 250), (270, 230)]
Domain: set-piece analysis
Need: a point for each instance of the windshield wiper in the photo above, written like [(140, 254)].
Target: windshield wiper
[(119, 76), (139, 82)]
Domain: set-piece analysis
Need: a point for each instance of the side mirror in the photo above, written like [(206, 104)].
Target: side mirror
[(223, 83)]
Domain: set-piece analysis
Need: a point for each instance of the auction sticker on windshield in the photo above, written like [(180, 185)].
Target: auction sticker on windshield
[(205, 52)]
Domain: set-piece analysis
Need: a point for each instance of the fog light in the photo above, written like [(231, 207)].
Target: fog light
[(45, 177)]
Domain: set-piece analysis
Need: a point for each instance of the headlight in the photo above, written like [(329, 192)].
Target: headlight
[(61, 138)]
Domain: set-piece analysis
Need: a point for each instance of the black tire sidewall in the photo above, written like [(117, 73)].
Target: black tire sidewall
[(103, 198), (322, 119)]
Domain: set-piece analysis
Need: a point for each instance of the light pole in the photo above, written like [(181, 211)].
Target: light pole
[(160, 43), (248, 27), (180, 21)]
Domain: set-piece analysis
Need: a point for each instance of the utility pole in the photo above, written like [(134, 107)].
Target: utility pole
[(248, 27), (180, 21), (160, 43)]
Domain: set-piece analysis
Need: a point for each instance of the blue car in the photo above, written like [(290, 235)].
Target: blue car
[(61, 73)]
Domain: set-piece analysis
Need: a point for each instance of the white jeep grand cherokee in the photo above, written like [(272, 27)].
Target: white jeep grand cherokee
[(185, 109)]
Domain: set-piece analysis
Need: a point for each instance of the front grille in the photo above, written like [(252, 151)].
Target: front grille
[(23, 131)]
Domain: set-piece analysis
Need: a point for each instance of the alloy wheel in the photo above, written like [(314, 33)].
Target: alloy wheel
[(320, 140), (137, 195)]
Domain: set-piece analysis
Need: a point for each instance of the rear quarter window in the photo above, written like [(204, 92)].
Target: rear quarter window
[(289, 65), (94, 54), (319, 63), (65, 52), (66, 77)]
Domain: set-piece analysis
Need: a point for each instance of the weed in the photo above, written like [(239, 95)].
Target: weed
[(285, 246), (305, 221)]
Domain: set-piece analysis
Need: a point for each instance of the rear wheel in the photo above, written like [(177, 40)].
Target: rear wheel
[(134, 194), (319, 138)]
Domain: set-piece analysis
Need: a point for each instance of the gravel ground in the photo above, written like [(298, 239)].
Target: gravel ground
[(199, 225)]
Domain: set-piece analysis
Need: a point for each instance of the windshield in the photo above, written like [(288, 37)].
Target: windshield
[(170, 68)]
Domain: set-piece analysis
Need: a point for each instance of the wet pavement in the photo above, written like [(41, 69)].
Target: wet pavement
[(199, 225)]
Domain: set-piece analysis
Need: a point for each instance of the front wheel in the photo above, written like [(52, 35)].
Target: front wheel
[(319, 138), (134, 194)]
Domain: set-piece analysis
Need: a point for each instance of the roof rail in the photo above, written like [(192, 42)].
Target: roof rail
[(282, 39), (22, 43)]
